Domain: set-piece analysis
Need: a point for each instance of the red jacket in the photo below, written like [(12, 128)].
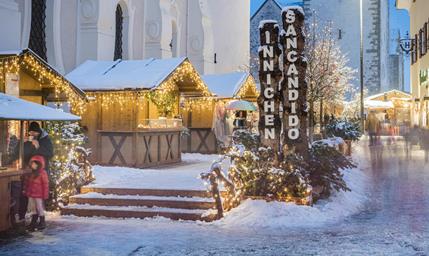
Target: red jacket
[(38, 186)]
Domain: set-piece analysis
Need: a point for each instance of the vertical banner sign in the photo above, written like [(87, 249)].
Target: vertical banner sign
[(294, 86), (269, 76)]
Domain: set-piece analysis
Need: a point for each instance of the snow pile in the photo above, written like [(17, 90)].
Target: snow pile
[(278, 215), (332, 142)]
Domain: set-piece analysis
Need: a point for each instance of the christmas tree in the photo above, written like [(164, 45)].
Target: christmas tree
[(70, 167)]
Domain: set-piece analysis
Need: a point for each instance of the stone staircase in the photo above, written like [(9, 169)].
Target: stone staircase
[(142, 203)]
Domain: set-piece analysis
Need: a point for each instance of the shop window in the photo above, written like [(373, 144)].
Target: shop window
[(118, 33), (37, 41)]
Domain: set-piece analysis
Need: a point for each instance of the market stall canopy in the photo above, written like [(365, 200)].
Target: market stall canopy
[(136, 75), (231, 85), (373, 104), (243, 105), (12, 108)]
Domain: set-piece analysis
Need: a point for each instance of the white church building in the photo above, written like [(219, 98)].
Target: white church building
[(213, 34)]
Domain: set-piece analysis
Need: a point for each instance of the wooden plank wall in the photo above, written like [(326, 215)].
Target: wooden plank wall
[(140, 149)]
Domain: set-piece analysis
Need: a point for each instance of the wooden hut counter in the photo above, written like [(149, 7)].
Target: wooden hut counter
[(134, 116)]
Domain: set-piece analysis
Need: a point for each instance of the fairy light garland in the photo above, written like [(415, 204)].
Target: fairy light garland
[(248, 88), (44, 75)]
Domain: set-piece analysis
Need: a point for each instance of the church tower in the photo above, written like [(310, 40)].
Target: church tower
[(344, 17)]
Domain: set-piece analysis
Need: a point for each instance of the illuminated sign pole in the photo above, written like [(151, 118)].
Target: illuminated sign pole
[(294, 86), (270, 76)]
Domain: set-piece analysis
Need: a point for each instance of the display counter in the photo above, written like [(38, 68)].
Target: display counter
[(6, 177), (145, 147)]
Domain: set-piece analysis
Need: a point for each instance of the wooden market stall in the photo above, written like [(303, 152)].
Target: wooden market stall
[(199, 111), (134, 117), (13, 109), (392, 108)]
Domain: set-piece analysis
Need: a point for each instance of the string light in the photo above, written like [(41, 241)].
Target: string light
[(44, 75)]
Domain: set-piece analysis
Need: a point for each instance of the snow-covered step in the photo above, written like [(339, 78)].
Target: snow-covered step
[(94, 198), (147, 192), (86, 210)]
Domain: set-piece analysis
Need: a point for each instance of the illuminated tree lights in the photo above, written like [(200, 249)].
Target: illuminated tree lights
[(70, 167)]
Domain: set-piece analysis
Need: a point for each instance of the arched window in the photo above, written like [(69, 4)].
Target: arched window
[(118, 33), (37, 41)]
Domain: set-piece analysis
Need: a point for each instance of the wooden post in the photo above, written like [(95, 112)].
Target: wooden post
[(21, 145), (270, 76), (294, 86)]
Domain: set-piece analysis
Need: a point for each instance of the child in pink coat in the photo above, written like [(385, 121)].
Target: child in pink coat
[(37, 191)]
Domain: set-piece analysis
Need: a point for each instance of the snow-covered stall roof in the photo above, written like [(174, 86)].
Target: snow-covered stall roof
[(24, 53), (12, 108), (403, 94), (226, 85), (123, 74), (378, 104)]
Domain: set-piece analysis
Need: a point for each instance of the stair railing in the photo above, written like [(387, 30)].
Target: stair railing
[(231, 197)]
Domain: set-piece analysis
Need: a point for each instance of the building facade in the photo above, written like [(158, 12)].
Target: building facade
[(68, 32), (343, 17), (419, 25)]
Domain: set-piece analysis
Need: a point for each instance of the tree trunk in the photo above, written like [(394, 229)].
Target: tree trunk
[(311, 118), (294, 87), (322, 121), (269, 98)]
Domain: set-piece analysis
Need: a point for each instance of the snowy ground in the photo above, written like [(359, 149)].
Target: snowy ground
[(386, 214), (184, 175)]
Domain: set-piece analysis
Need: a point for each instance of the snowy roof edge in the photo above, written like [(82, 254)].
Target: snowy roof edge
[(20, 52)]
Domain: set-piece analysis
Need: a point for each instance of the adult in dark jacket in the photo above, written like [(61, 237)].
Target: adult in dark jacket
[(39, 143)]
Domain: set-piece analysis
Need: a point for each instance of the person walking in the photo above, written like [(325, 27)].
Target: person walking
[(37, 190), (373, 128), (424, 142)]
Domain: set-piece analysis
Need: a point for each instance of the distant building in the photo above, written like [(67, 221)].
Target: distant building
[(396, 68), (419, 84), (344, 17)]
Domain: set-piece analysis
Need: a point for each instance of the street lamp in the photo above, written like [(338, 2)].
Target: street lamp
[(362, 111)]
